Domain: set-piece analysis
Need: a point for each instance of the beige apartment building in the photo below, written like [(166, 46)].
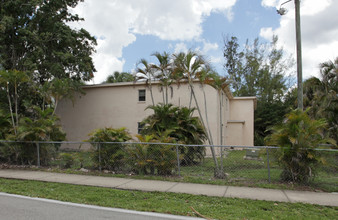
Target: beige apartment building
[(124, 105)]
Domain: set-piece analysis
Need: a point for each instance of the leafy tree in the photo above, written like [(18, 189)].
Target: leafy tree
[(119, 77), (297, 137), (42, 58), (259, 70), (233, 64), (35, 37), (11, 81)]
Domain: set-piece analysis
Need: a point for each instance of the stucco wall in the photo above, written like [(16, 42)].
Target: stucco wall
[(240, 124), (117, 105)]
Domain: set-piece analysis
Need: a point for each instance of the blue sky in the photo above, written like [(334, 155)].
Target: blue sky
[(249, 17), (128, 30)]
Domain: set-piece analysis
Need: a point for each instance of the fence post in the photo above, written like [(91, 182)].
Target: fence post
[(99, 147), (267, 154), (178, 162), (38, 153)]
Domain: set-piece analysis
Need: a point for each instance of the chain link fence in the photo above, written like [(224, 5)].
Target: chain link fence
[(241, 165)]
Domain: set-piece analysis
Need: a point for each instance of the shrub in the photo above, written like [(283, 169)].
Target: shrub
[(180, 125), (109, 156), (66, 160), (297, 138), (42, 127)]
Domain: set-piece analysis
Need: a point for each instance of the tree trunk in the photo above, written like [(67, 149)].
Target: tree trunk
[(166, 94), (221, 126), (151, 94), (16, 104), (10, 109), (217, 171)]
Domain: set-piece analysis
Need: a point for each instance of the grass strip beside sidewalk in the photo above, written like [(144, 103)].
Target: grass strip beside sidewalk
[(172, 203)]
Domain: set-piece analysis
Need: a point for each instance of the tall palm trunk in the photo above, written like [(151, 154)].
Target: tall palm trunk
[(16, 104), (166, 94), (221, 126), (163, 94), (208, 137), (151, 94), (11, 110), (206, 113)]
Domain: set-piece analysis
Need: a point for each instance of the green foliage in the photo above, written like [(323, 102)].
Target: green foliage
[(180, 125), (43, 126), (321, 95), (66, 159), (35, 37), (109, 156), (297, 138), (139, 156), (42, 61), (163, 158), (119, 77), (163, 71), (55, 90), (259, 70), (5, 124)]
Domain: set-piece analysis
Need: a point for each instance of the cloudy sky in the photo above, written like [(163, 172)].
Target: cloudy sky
[(128, 30)]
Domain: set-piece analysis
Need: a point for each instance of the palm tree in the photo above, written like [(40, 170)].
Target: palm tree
[(119, 77), (219, 83), (297, 137), (57, 89), (163, 72), (145, 74), (179, 124), (187, 67), (329, 98)]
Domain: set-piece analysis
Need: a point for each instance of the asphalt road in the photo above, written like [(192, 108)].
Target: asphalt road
[(15, 207)]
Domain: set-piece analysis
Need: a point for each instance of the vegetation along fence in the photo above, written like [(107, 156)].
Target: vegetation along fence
[(240, 165)]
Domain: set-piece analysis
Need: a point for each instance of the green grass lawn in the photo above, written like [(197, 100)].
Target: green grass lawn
[(178, 204)]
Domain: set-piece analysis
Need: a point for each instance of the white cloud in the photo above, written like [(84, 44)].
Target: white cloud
[(209, 46), (319, 32), (180, 47), (115, 23), (269, 3)]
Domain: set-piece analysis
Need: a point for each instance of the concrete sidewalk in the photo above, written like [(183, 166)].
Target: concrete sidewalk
[(328, 199)]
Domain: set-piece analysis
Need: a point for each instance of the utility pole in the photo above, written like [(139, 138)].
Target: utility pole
[(299, 57), (282, 11)]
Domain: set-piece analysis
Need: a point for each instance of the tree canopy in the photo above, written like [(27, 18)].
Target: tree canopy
[(35, 37), (259, 70), (119, 77)]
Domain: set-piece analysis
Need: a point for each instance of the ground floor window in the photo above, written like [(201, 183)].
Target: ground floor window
[(139, 127)]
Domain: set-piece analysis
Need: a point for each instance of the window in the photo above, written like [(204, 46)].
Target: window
[(142, 95), (139, 127)]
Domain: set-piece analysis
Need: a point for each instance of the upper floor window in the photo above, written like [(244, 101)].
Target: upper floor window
[(141, 95)]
